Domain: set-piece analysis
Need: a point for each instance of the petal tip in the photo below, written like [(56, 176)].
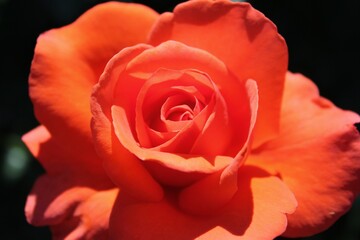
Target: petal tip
[(29, 209)]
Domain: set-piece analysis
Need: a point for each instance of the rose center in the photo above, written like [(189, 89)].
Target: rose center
[(170, 105), (180, 107), (179, 113)]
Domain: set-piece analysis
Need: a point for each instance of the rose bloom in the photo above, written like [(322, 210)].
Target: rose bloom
[(184, 125)]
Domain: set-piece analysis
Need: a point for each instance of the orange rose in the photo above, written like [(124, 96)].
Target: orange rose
[(181, 126)]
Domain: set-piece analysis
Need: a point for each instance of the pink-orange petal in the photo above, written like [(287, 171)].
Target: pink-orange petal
[(261, 199), (244, 39), (217, 127), (122, 167), (185, 163), (58, 158), (53, 198), (68, 62), (90, 219), (214, 191), (317, 156)]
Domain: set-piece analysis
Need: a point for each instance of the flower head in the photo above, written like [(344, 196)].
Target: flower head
[(183, 125)]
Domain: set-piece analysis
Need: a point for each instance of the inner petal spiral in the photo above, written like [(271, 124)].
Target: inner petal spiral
[(173, 107)]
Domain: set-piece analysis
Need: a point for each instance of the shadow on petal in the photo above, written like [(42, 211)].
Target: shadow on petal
[(261, 198)]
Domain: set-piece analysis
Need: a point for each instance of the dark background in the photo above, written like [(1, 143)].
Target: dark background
[(322, 37)]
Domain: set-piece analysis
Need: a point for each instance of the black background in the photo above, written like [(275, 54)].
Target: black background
[(322, 38)]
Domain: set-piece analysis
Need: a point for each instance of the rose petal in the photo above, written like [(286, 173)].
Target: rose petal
[(217, 127), (314, 134), (68, 62), (261, 199), (53, 198), (252, 92), (214, 191), (185, 163), (57, 157), (90, 218), (122, 167), (244, 39)]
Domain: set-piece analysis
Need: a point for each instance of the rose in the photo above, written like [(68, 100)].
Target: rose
[(172, 122)]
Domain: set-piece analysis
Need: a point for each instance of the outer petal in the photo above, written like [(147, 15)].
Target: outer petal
[(244, 39), (261, 199), (64, 198), (58, 158), (68, 62), (73, 208), (92, 216), (317, 155)]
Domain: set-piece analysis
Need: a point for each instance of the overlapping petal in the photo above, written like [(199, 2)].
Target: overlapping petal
[(213, 192), (73, 208), (257, 211), (177, 56), (59, 158), (317, 154), (114, 113), (240, 36), (122, 167), (65, 197), (68, 62)]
